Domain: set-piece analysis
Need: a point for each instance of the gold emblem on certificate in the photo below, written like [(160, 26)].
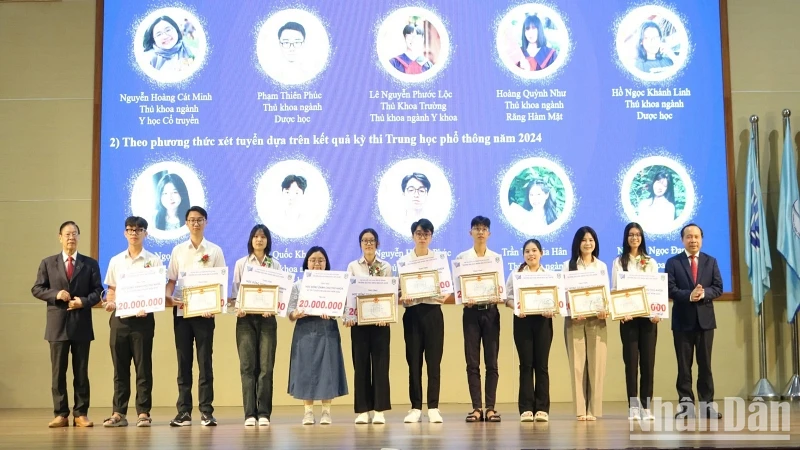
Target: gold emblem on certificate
[(539, 300), (259, 299), (587, 301), (480, 288), (199, 300), (420, 284), (380, 308), (629, 302)]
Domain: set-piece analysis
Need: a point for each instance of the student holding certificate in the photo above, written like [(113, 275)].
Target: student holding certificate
[(533, 335), (196, 253), (131, 337), (481, 322), (370, 342), (586, 337), (638, 333), (316, 365), (256, 335)]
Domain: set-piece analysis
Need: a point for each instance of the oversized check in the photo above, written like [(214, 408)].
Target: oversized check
[(323, 292), (381, 288), (480, 285), (431, 261), (656, 286), (577, 279), (202, 277), (269, 276), (140, 290), (523, 280)]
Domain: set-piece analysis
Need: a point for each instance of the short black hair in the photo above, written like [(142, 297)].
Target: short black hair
[(480, 220), (197, 209), (313, 250), (425, 224), (370, 231), (411, 29), (301, 182), (417, 176), (263, 228), (136, 221), (68, 223), (292, 26), (691, 225)]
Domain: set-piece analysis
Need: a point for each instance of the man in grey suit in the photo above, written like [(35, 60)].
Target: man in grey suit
[(70, 284)]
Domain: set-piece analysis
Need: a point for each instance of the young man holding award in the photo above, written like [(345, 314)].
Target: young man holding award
[(481, 322), (196, 253)]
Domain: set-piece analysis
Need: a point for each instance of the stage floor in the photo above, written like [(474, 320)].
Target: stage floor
[(27, 428)]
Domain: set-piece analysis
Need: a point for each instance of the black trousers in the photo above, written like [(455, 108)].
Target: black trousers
[(685, 344), (189, 332), (256, 341), (423, 330), (533, 336), (482, 325), (59, 360), (639, 354), (132, 339), (371, 368)]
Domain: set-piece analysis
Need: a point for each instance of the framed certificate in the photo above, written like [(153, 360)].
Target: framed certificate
[(198, 300), (538, 300), (629, 302), (481, 287), (379, 308), (587, 301), (259, 299), (420, 284)]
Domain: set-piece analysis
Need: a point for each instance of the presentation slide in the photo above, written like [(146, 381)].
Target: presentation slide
[(322, 118)]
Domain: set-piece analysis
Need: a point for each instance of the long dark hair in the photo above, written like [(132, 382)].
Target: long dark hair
[(313, 250), (549, 204), (669, 194), (626, 248), (533, 22), (576, 246), (528, 242), (183, 206), (640, 47), (266, 232)]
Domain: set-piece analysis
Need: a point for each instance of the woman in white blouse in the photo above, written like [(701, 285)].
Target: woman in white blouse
[(370, 342), (533, 336), (638, 334), (587, 338)]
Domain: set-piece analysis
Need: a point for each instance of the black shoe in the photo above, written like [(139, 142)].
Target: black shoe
[(208, 420), (685, 412), (183, 419), (710, 413)]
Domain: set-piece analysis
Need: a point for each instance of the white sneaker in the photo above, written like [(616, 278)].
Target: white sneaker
[(263, 422), (250, 422), (362, 419), (434, 416), (308, 418), (634, 413), (326, 418), (413, 416), (647, 415), (378, 419), (527, 416), (541, 416)]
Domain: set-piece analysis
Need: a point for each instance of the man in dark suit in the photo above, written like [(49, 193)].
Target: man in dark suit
[(70, 284), (694, 283)]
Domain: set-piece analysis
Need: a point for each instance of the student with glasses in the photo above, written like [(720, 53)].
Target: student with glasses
[(415, 193)]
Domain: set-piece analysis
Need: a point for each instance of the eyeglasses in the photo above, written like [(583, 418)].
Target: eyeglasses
[(422, 234), (134, 230), (635, 235), (480, 229), (421, 191), (317, 261), (195, 221), (73, 234), (368, 241), (291, 44)]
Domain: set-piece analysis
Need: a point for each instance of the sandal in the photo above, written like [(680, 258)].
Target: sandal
[(116, 420), (144, 421), (591, 418), (527, 416), (582, 418), (494, 417), (471, 417)]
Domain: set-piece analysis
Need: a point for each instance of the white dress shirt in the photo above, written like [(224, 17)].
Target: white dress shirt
[(123, 262), (427, 300), (185, 257), (249, 260), (634, 265)]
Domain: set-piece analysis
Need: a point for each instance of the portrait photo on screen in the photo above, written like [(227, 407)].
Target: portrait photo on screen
[(652, 43), (658, 194), (162, 193), (413, 189), (412, 45), (170, 45), (536, 196), (292, 198), (532, 41), (293, 46)]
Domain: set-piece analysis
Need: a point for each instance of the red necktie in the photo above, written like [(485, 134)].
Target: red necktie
[(693, 263), (70, 268)]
